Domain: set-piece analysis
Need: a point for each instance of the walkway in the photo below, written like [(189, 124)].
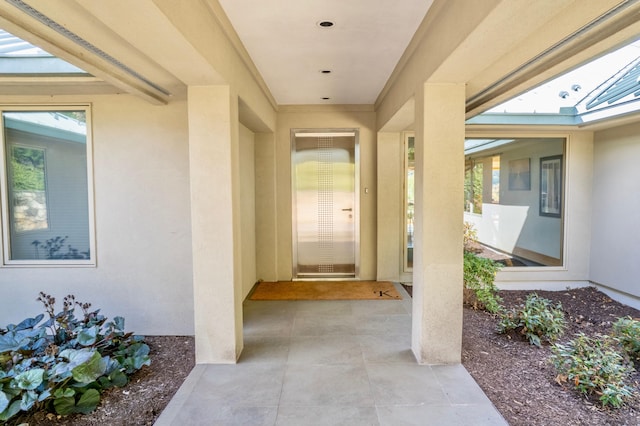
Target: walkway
[(329, 363)]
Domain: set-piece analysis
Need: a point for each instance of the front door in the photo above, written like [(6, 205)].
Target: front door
[(325, 207)]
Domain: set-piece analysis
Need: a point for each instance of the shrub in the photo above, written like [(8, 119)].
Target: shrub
[(537, 320), (470, 239), (63, 363), (480, 291), (627, 332), (593, 366)]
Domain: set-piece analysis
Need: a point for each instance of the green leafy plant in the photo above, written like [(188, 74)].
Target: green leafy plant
[(479, 275), (537, 320), (63, 363), (627, 332), (593, 366)]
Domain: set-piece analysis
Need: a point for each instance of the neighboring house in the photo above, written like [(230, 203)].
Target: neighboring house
[(180, 190)]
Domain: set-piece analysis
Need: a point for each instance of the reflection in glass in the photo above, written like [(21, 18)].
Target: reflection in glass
[(513, 198), (47, 200), (27, 193), (410, 168)]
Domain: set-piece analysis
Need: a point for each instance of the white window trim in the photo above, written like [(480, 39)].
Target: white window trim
[(4, 201)]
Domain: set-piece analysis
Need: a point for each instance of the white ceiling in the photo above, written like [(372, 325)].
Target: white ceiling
[(290, 50)]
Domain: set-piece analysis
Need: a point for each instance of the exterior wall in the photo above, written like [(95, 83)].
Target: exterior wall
[(335, 117), (248, 209), (615, 231), (266, 202), (390, 200), (143, 229)]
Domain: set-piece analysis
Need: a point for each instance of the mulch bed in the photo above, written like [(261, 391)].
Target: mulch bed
[(518, 377)]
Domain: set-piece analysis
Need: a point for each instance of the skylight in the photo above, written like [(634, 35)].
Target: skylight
[(19, 57), (603, 88)]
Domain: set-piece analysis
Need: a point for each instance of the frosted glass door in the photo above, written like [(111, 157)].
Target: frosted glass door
[(324, 204)]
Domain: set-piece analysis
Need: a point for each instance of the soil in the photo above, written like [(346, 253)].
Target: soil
[(516, 376)]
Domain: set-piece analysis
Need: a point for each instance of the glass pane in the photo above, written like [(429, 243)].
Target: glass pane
[(324, 204), (516, 210), (48, 204), (410, 199), (599, 89)]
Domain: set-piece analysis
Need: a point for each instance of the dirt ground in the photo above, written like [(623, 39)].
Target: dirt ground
[(516, 376)]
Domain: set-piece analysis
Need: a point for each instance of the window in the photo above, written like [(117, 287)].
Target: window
[(45, 185), (523, 178), (409, 198)]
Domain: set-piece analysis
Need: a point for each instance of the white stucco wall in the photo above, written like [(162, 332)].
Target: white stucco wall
[(143, 230), (615, 228)]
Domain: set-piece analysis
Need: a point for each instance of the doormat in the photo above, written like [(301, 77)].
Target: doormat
[(325, 290)]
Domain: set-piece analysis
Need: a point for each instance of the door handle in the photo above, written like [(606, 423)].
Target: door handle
[(347, 210)]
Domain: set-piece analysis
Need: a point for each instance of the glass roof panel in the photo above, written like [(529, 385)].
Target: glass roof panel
[(602, 88), (19, 57)]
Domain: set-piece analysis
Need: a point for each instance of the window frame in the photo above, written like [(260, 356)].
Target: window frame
[(5, 221)]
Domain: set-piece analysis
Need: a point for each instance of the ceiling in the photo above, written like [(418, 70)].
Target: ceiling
[(291, 50)]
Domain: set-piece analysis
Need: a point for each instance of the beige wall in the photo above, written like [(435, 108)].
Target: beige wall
[(143, 229), (614, 245), (320, 117), (248, 209), (266, 207), (390, 205)]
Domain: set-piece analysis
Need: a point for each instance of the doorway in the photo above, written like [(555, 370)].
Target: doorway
[(325, 203)]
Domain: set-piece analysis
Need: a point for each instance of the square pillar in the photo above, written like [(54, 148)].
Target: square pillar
[(437, 256), (215, 216)]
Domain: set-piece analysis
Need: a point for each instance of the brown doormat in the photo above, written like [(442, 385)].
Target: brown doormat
[(325, 290)]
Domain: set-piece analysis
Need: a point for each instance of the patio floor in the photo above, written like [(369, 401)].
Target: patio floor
[(329, 363)]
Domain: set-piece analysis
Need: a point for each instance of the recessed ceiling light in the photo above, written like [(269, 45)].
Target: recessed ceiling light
[(326, 71), (325, 24)]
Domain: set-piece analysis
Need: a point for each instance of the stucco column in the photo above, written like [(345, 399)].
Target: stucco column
[(214, 174), (437, 257)]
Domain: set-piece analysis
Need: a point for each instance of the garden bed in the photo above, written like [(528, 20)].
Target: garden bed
[(142, 400), (518, 377)]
